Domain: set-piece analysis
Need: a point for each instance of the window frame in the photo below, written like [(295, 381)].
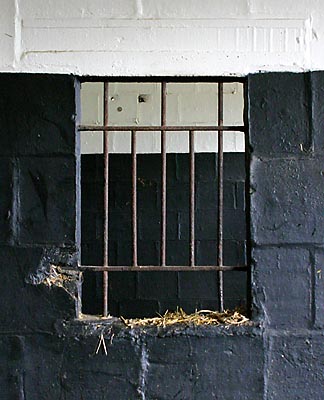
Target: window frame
[(163, 128)]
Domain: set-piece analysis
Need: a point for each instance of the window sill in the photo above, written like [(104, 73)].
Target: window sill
[(94, 326)]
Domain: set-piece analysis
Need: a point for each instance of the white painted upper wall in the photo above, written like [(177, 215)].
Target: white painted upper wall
[(161, 37)]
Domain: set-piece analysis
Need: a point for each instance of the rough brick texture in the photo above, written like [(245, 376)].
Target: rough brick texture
[(296, 367), (286, 208)]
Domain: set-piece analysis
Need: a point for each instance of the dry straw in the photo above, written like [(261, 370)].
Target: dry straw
[(202, 317)]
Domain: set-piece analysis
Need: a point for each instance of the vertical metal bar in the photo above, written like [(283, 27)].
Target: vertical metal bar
[(134, 198), (106, 204), (163, 188), (192, 196), (220, 167)]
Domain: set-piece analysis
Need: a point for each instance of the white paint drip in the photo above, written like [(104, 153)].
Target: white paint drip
[(308, 36), (18, 37), (139, 8), (143, 372)]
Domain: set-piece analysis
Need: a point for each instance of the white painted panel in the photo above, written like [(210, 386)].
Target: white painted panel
[(76, 9), (233, 104), (206, 9), (140, 104), (160, 35), (91, 142), (191, 104), (92, 103)]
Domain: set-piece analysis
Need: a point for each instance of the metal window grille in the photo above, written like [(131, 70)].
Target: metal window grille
[(220, 129)]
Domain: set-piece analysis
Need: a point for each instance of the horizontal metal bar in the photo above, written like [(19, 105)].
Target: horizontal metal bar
[(96, 128), (98, 268)]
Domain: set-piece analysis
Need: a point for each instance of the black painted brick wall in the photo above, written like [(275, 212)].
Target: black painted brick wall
[(145, 294), (45, 354), (38, 207), (287, 227)]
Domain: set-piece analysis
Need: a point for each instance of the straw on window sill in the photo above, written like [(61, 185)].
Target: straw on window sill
[(201, 317)]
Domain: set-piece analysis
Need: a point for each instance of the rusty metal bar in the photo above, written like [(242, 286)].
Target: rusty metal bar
[(143, 268), (220, 167), (134, 197), (97, 128), (192, 196), (163, 180), (106, 203)]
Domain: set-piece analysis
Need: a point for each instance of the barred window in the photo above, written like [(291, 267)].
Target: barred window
[(164, 188)]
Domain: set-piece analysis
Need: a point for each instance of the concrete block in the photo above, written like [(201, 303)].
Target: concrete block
[(35, 117), (47, 191), (282, 287), (190, 367), (279, 106), (157, 285), (286, 200), (295, 369), (8, 199), (319, 289)]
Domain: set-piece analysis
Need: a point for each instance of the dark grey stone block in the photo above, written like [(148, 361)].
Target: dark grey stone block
[(319, 289), (69, 368), (191, 368), (178, 197), (234, 252), (240, 195), (287, 200), (12, 367), (133, 308), (241, 376), (177, 252), (157, 285), (296, 369), (37, 114), (281, 280), (198, 285), (178, 225), (8, 200), (149, 225), (279, 113), (120, 228), (47, 193), (317, 87), (234, 167)]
